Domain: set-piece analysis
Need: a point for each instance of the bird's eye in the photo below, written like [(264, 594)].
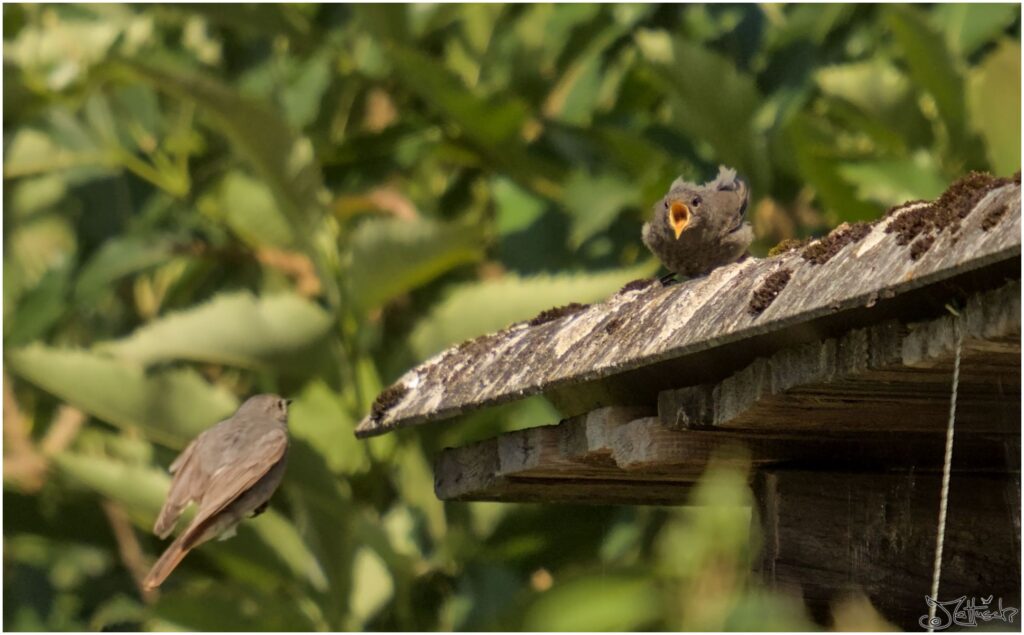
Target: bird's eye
[(665, 203), (696, 201)]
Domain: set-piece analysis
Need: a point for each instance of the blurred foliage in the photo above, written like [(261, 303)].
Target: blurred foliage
[(204, 201)]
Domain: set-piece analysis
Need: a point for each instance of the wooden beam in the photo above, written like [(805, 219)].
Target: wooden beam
[(642, 341), (888, 377), (607, 458)]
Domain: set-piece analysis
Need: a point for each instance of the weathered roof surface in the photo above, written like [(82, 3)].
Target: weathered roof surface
[(874, 400), (645, 340)]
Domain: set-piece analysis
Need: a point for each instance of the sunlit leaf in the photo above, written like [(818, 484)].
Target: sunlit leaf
[(881, 92), (893, 181), (141, 489), (237, 329), (516, 208), (390, 256), (474, 309), (372, 586), (317, 416), (250, 210), (597, 603), (995, 106), (169, 406), (970, 25)]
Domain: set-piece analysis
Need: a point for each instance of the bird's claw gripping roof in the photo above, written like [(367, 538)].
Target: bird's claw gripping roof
[(653, 337)]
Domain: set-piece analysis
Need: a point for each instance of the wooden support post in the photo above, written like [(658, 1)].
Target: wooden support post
[(829, 534)]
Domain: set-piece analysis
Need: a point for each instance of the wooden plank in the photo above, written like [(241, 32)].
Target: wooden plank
[(604, 458), (834, 534), (642, 341), (888, 377)]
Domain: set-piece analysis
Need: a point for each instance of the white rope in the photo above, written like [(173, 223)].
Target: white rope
[(946, 468)]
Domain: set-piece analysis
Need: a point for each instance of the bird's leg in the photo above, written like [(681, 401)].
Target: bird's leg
[(668, 279), (259, 510)]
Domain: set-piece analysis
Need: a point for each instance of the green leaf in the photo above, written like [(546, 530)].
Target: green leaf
[(932, 66), (282, 538), (36, 194), (38, 309), (814, 148), (301, 99), (481, 307), (970, 25), (516, 208), (995, 106), (251, 212), (574, 98), (236, 329), (141, 489), (119, 257), (283, 159), (894, 181), (391, 256), (170, 407), (318, 417), (229, 607), (489, 123), (712, 101), (596, 603), (881, 92), (805, 22), (414, 481), (493, 126), (595, 203), (372, 587), (33, 248)]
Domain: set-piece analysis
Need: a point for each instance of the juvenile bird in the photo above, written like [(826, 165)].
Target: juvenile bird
[(230, 471), (699, 227)]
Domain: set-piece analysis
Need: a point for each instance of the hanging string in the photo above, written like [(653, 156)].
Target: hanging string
[(946, 468)]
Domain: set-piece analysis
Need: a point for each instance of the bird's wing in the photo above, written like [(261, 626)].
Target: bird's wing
[(185, 487), (229, 481)]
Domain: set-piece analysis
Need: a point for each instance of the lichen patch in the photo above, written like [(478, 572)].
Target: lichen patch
[(787, 245), (770, 288), (553, 314), (386, 400), (946, 213), (822, 250), (637, 285)]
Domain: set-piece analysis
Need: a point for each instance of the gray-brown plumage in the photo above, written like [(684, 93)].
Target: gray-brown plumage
[(229, 471), (699, 227)]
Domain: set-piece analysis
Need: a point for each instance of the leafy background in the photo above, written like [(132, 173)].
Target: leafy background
[(204, 202)]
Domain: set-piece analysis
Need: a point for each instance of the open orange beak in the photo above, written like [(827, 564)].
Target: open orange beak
[(678, 217)]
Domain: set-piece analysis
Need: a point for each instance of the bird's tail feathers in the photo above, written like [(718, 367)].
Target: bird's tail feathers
[(167, 562)]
